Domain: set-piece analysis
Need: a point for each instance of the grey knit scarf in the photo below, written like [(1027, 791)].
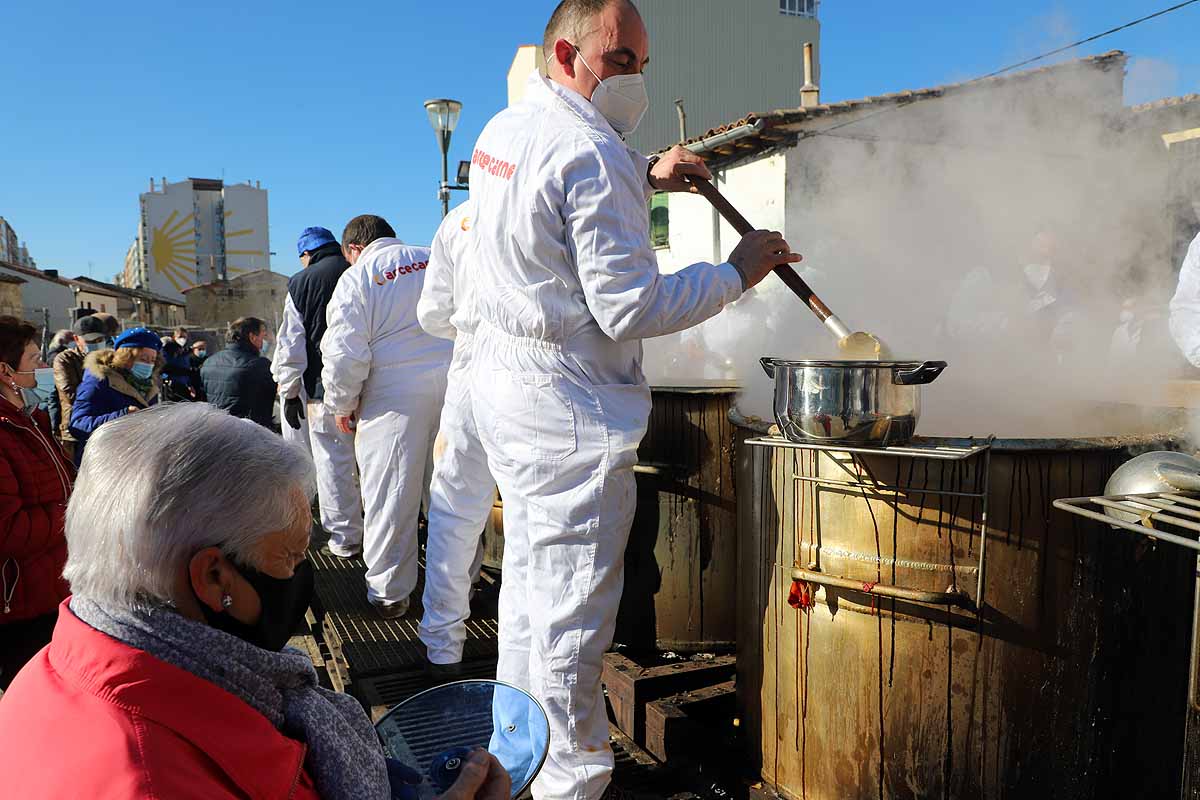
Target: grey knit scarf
[(344, 756)]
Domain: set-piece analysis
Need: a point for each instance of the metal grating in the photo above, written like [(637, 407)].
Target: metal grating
[(389, 690), (371, 645)]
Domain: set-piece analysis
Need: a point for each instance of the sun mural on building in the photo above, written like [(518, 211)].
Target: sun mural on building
[(173, 251), (234, 256)]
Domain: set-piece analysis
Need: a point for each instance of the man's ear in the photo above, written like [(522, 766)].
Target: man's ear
[(207, 578), (564, 54)]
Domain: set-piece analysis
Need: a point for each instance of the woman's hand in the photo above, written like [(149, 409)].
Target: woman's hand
[(481, 778)]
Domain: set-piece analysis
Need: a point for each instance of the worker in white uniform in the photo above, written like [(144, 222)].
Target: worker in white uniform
[(461, 493), (285, 368), (297, 367), (1185, 305), (384, 379), (567, 287)]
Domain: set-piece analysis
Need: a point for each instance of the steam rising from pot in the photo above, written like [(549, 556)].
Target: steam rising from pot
[(1017, 229)]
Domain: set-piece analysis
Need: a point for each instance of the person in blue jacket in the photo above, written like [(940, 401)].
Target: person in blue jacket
[(115, 383)]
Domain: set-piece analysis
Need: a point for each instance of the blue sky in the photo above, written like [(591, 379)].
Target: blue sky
[(322, 102)]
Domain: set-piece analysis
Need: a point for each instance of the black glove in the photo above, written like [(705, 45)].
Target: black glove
[(293, 411)]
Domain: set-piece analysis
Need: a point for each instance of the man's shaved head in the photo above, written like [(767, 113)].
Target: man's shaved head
[(572, 20)]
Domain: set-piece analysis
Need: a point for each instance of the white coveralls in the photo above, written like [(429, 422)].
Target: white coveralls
[(382, 365), (332, 451), (1185, 306), (462, 490), (567, 288), (282, 368)]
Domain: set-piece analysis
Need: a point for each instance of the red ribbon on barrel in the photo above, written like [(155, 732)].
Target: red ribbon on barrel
[(802, 596)]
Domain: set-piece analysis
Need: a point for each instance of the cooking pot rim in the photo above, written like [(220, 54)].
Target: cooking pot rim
[(826, 363)]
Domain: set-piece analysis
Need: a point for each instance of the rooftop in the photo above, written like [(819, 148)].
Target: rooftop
[(234, 280), (1166, 102), (33, 273), (11, 279)]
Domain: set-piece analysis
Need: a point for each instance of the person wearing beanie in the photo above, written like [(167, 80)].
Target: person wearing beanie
[(89, 335), (296, 367), (116, 382)]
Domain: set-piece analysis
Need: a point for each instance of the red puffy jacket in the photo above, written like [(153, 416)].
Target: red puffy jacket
[(92, 717), (35, 483)]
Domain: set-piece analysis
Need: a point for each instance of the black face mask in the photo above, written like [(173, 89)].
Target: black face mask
[(284, 602)]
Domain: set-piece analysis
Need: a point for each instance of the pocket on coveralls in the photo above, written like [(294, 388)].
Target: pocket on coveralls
[(536, 417)]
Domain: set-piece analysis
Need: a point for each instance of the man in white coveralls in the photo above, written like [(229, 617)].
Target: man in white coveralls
[(297, 368), (567, 287), (384, 377), (461, 492)]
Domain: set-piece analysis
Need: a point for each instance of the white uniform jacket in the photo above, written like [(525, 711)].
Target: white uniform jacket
[(563, 248), (290, 358), (375, 351), (446, 306), (1185, 306)]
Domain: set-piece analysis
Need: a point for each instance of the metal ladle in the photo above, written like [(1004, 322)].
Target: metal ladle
[(856, 345)]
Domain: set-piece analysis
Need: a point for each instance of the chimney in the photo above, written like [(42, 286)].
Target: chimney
[(152, 186), (50, 273), (810, 93)]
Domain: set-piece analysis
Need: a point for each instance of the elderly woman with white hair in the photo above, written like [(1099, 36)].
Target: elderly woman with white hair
[(166, 675)]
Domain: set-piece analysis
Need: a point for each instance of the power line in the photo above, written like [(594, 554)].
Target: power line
[(1019, 64), (1088, 40)]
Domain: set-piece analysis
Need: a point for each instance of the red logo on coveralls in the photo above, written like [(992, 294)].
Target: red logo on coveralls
[(492, 165), (393, 274)]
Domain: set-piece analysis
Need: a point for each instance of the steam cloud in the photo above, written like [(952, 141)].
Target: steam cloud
[(930, 225)]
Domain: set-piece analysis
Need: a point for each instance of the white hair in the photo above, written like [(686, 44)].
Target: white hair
[(157, 486)]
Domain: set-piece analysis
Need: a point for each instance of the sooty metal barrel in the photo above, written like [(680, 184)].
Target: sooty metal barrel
[(681, 561), (887, 676)]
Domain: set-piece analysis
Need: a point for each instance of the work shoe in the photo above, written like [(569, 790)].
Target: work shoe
[(390, 610), (443, 673)]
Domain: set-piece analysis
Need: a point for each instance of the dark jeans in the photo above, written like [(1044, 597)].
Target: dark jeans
[(20, 641)]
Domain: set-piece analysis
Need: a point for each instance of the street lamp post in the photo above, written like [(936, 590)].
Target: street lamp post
[(443, 116)]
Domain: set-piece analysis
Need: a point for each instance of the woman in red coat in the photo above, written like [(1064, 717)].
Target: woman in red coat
[(35, 484), (168, 675)]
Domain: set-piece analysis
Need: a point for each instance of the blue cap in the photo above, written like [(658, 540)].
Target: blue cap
[(312, 238), (138, 337)]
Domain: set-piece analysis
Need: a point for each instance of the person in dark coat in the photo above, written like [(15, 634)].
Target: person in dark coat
[(90, 334), (115, 383), (177, 374), (36, 478), (63, 340), (238, 379)]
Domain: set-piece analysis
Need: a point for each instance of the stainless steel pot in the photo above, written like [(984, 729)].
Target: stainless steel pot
[(852, 402)]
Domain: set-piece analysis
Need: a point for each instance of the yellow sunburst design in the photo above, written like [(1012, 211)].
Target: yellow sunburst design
[(173, 248)]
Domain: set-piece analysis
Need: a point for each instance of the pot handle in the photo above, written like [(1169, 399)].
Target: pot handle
[(768, 365), (925, 372)]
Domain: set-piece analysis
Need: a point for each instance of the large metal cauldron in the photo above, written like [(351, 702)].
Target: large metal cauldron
[(1068, 681), (858, 402)]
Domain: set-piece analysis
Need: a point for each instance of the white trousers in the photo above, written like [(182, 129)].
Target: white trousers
[(562, 451), (292, 435), (461, 496), (394, 448), (337, 489)]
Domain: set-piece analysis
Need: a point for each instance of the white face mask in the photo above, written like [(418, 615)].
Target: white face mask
[(621, 99)]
